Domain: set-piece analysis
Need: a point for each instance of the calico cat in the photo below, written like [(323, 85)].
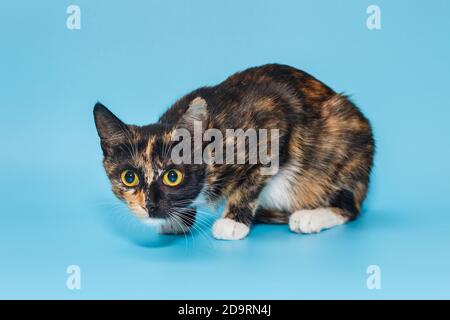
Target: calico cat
[(325, 155)]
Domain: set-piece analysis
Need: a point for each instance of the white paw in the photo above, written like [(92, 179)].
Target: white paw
[(228, 229), (311, 221)]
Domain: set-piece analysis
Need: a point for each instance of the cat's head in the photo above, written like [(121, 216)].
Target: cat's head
[(138, 162)]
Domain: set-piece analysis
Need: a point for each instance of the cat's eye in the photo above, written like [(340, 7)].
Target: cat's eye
[(129, 178), (172, 177)]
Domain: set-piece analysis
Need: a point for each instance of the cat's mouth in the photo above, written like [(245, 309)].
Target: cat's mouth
[(161, 219), (156, 222), (155, 218), (143, 216)]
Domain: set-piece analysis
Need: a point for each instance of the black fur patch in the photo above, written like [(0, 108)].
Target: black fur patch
[(345, 200)]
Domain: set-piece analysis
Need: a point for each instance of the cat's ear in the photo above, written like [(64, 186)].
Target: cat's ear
[(111, 130), (196, 112)]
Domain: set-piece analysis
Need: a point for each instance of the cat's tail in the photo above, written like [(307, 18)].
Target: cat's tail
[(268, 216)]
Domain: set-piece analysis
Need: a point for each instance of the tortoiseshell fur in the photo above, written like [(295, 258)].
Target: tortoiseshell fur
[(325, 143)]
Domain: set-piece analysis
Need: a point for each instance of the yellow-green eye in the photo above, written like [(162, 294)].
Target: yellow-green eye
[(172, 177), (129, 178)]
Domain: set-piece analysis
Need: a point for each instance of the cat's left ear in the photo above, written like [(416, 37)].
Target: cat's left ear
[(111, 130)]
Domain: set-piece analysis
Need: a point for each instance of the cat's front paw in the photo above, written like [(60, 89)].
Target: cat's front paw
[(228, 229)]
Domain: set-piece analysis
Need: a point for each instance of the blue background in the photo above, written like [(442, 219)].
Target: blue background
[(138, 57)]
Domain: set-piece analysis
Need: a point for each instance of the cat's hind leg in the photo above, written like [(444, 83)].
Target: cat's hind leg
[(316, 220), (341, 208)]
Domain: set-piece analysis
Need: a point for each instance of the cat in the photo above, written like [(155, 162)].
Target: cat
[(325, 156)]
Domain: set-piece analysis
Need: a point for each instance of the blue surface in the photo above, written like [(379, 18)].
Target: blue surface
[(137, 57)]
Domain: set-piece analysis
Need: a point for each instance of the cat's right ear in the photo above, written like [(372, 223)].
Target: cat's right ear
[(196, 112), (111, 130)]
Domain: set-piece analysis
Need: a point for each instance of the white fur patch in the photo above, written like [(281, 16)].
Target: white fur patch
[(311, 221), (152, 221), (278, 191), (228, 229)]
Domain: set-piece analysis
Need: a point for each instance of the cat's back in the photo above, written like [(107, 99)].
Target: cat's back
[(269, 80), (280, 92), (279, 81), (267, 74), (300, 97)]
